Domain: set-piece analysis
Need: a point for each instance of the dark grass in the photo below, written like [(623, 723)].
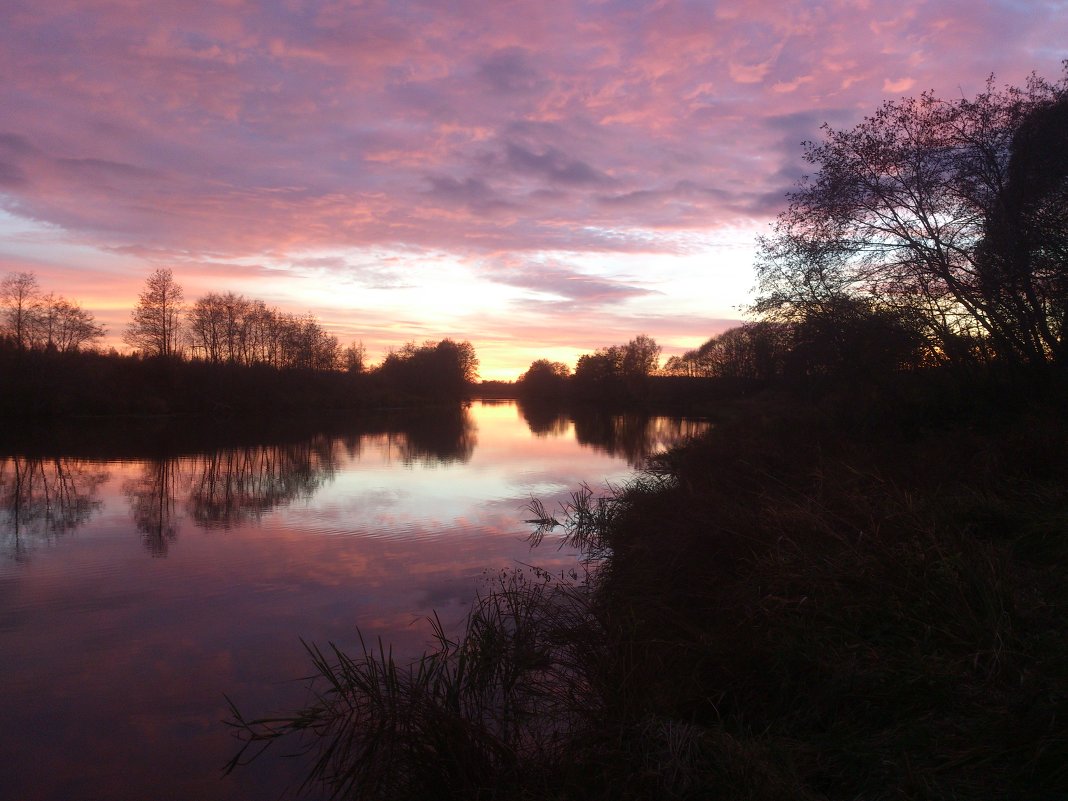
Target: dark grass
[(883, 606), (849, 597)]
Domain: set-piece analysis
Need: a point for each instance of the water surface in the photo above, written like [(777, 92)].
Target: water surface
[(146, 570)]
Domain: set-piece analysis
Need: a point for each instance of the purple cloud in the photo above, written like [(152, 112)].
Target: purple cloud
[(568, 286), (201, 133)]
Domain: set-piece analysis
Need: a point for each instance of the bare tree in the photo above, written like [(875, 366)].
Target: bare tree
[(354, 357), (18, 295), (63, 325), (155, 327), (219, 327), (903, 211), (206, 329)]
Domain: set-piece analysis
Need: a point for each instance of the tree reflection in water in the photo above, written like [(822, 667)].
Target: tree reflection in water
[(153, 502), (632, 435), (233, 486), (544, 419), (226, 487), (442, 438), (240, 485), (43, 499)]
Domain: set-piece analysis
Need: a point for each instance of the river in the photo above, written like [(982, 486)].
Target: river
[(149, 570)]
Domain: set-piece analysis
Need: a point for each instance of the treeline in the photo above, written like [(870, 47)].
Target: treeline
[(853, 343), (934, 234), (229, 328), (734, 362), (223, 355), (218, 328), (614, 373), (44, 384), (850, 340)]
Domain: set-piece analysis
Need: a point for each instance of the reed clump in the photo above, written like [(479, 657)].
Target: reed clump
[(804, 604)]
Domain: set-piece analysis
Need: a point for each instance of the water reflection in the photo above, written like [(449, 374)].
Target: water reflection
[(448, 436), (153, 503), (236, 486), (544, 419), (177, 477), (329, 525), (43, 499), (239, 485), (227, 487), (631, 435), (184, 472)]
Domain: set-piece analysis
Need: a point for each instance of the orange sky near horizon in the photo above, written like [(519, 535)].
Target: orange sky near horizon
[(539, 179)]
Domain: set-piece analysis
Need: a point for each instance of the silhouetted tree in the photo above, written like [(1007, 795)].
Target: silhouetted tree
[(679, 365), (897, 215), (155, 327), (354, 357), (1023, 259), (18, 296), (618, 371), (43, 322), (640, 357), (854, 338), (768, 344), (230, 328), (599, 367), (60, 324), (598, 375), (209, 324), (544, 379), (755, 351), (461, 360), (444, 369)]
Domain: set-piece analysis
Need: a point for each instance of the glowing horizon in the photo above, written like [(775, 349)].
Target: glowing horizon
[(541, 180)]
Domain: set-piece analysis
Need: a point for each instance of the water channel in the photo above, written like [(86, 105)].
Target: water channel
[(148, 570)]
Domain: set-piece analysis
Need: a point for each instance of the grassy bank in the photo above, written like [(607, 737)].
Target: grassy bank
[(847, 597), (870, 611)]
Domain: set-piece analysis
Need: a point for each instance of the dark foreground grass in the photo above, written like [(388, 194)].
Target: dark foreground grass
[(815, 603)]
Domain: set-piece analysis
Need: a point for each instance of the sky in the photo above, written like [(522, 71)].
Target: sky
[(540, 178)]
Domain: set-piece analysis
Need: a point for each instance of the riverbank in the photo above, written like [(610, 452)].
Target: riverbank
[(847, 596), (842, 605)]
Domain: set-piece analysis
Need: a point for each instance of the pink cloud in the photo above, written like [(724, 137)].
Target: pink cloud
[(211, 132), (900, 85)]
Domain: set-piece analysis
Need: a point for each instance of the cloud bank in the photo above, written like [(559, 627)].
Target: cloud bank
[(514, 137)]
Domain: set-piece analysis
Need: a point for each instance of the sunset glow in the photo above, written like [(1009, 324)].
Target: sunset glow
[(540, 179)]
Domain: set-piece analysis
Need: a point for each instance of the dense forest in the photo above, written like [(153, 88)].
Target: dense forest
[(853, 585)]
